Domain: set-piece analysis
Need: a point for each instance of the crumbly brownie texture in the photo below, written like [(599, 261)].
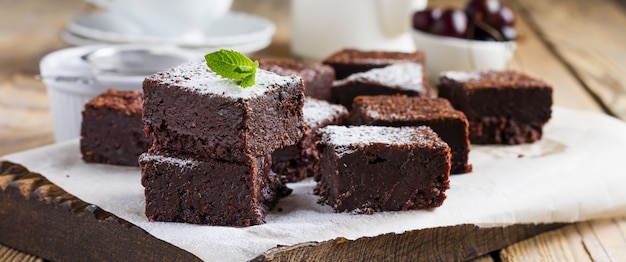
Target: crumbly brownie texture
[(437, 113), (502, 107), (401, 78), (190, 109), (295, 163), (212, 192), (350, 61), (112, 130), (368, 169), (318, 78)]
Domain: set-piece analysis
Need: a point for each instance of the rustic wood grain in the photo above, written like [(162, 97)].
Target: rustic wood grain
[(11, 255), (456, 243), (598, 240), (27, 122), (588, 36), (40, 218)]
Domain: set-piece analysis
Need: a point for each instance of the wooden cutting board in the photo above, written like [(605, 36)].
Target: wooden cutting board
[(38, 217)]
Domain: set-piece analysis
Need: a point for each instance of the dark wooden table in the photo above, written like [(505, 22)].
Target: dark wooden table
[(577, 45)]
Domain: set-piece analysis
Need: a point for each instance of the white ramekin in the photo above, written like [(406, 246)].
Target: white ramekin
[(454, 54), (71, 82)]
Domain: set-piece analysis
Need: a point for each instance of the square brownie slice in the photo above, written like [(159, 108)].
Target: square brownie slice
[(190, 109), (502, 107), (295, 163), (318, 78), (401, 78), (181, 188), (437, 113), (368, 169), (112, 130), (350, 61)]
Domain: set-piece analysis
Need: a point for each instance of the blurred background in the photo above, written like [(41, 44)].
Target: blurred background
[(576, 43), (30, 29)]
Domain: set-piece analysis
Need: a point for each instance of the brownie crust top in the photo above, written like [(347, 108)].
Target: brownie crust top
[(346, 139), (315, 112), (347, 56), (398, 108), (402, 76), (492, 79), (197, 77), (131, 102)]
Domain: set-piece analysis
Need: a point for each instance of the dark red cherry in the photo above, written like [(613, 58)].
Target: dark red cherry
[(422, 20), (452, 23), (503, 17), (508, 33), (482, 8)]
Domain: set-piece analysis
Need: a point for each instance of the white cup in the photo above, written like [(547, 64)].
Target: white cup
[(180, 18), (321, 27)]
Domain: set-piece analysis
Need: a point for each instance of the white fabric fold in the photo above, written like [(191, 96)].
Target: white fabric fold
[(574, 173)]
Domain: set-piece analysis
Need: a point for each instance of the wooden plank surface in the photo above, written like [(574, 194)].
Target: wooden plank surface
[(40, 218), (535, 58), (455, 243), (28, 125), (28, 31), (600, 240), (589, 37)]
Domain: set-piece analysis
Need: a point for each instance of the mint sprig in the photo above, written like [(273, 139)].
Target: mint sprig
[(233, 65)]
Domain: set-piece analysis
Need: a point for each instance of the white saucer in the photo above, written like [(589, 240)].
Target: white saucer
[(245, 48), (234, 29)]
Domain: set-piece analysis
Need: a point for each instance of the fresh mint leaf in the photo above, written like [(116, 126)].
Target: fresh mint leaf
[(247, 81), (244, 69), (233, 65)]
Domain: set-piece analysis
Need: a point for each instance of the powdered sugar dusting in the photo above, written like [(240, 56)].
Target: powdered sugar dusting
[(183, 163), (317, 111), (348, 139), (460, 76), (197, 77), (405, 76)]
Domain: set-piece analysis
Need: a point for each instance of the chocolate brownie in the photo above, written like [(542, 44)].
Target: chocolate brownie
[(350, 61), (367, 169), (183, 189), (295, 163), (502, 107), (401, 78), (437, 113), (190, 109), (112, 130), (318, 78)]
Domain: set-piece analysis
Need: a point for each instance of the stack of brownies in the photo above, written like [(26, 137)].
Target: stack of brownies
[(210, 160), (221, 154)]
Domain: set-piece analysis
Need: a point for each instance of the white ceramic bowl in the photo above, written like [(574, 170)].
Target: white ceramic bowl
[(448, 53), (72, 79)]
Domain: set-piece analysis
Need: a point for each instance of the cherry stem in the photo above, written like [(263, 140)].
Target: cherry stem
[(478, 22)]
